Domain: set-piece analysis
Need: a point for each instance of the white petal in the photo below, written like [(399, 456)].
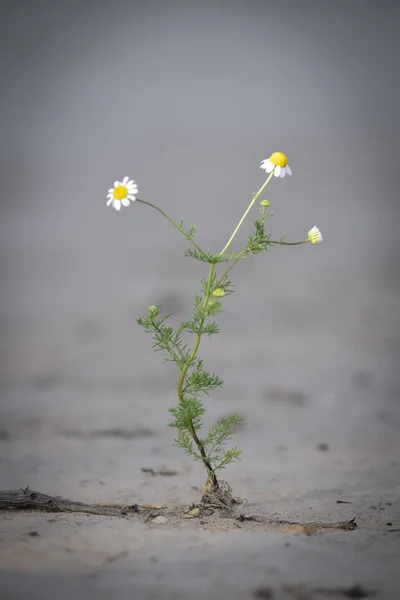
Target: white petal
[(288, 170), (132, 188), (111, 190), (116, 183), (277, 171), (125, 180), (109, 201), (268, 166), (317, 232), (125, 202), (131, 198), (283, 172), (117, 205)]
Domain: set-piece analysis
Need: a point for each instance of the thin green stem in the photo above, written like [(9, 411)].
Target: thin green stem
[(289, 243), (245, 252), (211, 474), (198, 335), (177, 226), (233, 263), (228, 243)]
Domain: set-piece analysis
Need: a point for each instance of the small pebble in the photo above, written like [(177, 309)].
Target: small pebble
[(160, 520), (192, 514)]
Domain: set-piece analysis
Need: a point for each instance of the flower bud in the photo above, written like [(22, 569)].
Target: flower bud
[(315, 236), (218, 293)]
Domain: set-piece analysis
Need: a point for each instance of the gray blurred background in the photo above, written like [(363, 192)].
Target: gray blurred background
[(188, 98)]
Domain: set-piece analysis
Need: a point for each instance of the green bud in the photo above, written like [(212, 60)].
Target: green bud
[(152, 310), (265, 203), (219, 292)]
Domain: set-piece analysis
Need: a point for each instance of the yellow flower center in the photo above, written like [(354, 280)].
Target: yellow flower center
[(279, 159), (120, 192)]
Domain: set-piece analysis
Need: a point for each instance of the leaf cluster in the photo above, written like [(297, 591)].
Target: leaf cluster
[(213, 451), (259, 241), (195, 381), (211, 258), (165, 337)]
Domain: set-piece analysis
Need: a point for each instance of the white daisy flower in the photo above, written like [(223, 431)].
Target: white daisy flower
[(122, 194), (315, 236), (278, 163)]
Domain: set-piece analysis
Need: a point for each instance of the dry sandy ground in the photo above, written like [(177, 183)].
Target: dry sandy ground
[(80, 448)]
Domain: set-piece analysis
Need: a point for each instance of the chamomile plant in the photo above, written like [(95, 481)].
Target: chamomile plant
[(194, 381)]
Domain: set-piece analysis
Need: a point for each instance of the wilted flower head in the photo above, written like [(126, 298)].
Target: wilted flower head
[(315, 236), (278, 163), (122, 194)]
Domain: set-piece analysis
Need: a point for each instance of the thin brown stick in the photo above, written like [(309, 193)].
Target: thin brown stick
[(27, 499)]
